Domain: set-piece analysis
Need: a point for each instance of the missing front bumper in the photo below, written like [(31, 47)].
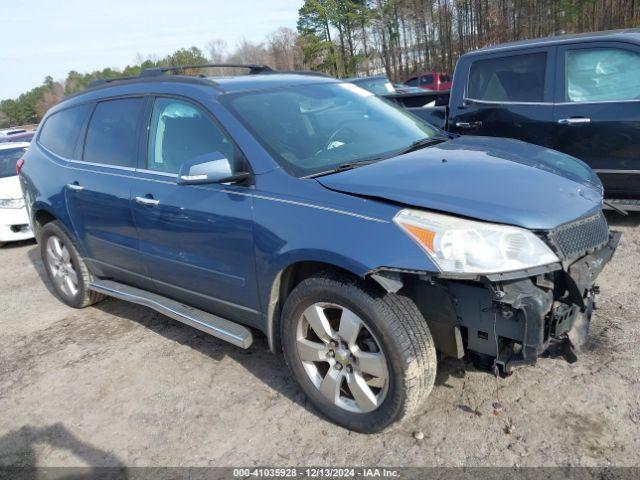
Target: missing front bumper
[(512, 322)]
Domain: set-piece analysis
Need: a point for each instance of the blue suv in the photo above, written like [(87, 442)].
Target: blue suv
[(361, 241)]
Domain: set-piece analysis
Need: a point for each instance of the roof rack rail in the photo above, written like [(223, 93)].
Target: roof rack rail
[(102, 81), (311, 73), (254, 69)]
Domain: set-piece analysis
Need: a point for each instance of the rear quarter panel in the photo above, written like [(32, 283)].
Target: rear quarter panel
[(43, 178)]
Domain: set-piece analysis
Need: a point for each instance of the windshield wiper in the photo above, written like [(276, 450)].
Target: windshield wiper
[(417, 145), (344, 167), (422, 143)]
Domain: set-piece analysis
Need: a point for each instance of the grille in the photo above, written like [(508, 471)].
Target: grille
[(576, 238)]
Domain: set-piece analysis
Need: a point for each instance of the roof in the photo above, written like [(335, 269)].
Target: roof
[(427, 72), (265, 78), (632, 34), (15, 137), (238, 83), (11, 145), (364, 79), (221, 84), (7, 132)]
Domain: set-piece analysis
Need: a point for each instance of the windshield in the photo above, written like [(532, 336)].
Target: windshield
[(378, 85), (8, 160), (314, 128)]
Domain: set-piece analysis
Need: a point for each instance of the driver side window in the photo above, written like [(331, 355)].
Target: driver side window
[(181, 131)]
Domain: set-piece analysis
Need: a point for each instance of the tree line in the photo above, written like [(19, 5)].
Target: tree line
[(402, 37), (347, 38), (279, 50)]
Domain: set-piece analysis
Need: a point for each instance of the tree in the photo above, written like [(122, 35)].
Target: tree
[(185, 56), (314, 26), (349, 37), (284, 49), (217, 50)]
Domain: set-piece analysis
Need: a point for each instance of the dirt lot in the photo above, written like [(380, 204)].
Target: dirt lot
[(118, 384)]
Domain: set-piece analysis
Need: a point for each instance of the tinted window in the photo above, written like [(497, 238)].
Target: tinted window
[(313, 128), (426, 80), (412, 82), (180, 131), (112, 137), (598, 74), (8, 159), (379, 86), (518, 78), (61, 130)]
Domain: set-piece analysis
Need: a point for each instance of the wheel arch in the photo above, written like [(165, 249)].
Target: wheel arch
[(40, 216), (42, 212), (286, 279)]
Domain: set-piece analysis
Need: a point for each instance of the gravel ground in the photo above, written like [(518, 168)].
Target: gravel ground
[(117, 384)]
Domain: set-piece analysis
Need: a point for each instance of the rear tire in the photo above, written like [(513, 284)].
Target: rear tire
[(65, 267), (365, 358)]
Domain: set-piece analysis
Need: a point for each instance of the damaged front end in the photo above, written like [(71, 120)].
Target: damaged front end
[(507, 320)]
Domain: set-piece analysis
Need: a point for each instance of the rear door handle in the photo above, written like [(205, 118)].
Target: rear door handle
[(75, 187), (574, 121), (147, 201), (468, 124)]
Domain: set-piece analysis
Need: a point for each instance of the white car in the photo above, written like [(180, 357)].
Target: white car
[(14, 220), (11, 131)]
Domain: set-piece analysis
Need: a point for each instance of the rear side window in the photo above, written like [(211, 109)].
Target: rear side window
[(112, 136), (412, 82), (426, 80), (602, 74), (61, 131), (518, 78)]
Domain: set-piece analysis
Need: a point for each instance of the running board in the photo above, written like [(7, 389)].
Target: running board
[(629, 205), (218, 327)]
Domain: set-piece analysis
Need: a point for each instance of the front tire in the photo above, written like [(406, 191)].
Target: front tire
[(364, 357), (65, 267)]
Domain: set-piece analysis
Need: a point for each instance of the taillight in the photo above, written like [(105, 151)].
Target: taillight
[(19, 165)]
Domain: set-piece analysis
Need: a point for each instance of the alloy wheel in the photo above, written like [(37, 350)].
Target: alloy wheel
[(63, 274), (342, 357)]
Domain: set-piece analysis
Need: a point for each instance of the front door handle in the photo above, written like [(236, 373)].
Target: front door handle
[(75, 187), (574, 121), (147, 201), (468, 124)]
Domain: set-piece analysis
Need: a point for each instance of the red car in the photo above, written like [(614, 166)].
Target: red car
[(430, 81)]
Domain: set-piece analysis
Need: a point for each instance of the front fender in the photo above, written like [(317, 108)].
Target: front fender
[(286, 233), (345, 235)]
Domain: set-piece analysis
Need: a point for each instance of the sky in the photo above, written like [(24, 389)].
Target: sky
[(52, 37)]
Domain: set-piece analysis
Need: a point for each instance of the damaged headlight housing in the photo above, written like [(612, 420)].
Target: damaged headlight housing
[(461, 246)]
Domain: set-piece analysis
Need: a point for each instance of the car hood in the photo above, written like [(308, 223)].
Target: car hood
[(10, 187), (492, 179)]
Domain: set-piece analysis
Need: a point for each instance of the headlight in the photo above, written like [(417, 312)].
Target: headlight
[(11, 202), (466, 246)]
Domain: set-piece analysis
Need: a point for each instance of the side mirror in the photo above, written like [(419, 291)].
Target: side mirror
[(211, 167)]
